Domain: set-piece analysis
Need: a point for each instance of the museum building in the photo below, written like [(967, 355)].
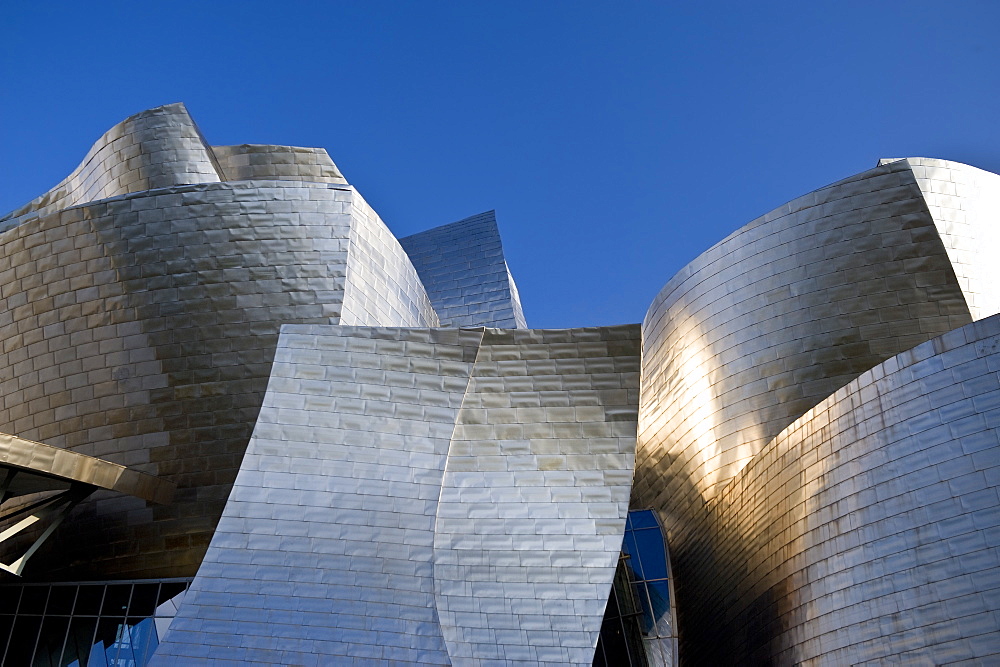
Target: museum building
[(241, 423)]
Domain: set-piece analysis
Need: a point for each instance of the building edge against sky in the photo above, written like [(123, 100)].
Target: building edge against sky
[(374, 459)]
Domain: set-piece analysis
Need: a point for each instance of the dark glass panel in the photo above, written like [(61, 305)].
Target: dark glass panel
[(6, 623), (50, 641), (659, 597), (22, 640), (620, 643), (79, 640), (116, 600), (151, 643), (9, 597), (654, 649), (599, 659), (650, 549), (647, 611), (61, 600), (614, 648), (33, 600), (643, 519), (633, 562), (122, 650), (143, 600), (88, 600)]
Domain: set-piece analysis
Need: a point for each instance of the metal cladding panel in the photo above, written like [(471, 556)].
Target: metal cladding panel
[(360, 530), (769, 322), (382, 287), (779, 315), (867, 531), (249, 162), (141, 330), (327, 537), (535, 495), (965, 204), (463, 267), (157, 148)]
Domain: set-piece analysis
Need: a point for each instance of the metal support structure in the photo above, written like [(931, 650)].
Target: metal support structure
[(53, 509)]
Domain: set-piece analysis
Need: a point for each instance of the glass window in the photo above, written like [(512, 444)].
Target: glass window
[(61, 600), (33, 600), (79, 640), (23, 640), (638, 621), (88, 600), (650, 551), (9, 600), (51, 640), (647, 559), (643, 519), (83, 625), (116, 601)]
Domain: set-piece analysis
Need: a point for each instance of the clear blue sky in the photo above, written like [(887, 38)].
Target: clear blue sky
[(616, 141)]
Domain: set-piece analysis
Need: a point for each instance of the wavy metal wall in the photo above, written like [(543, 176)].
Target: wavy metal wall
[(156, 148), (141, 329), (775, 318), (817, 424), (463, 267), (867, 531), (423, 497)]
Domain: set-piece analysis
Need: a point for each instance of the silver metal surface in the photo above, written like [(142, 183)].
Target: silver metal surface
[(157, 148), (40, 485), (422, 496), (248, 162), (534, 495), (817, 424), (761, 328), (462, 266), (868, 530), (140, 329), (965, 204)]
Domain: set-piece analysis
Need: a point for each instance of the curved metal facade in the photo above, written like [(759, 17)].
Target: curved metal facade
[(141, 329), (868, 530), (157, 148), (247, 162), (813, 420), (463, 267), (422, 496), (772, 320)]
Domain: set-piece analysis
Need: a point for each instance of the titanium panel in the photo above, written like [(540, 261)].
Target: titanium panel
[(769, 322), (868, 530), (535, 495), (140, 329), (463, 267), (382, 287), (324, 552), (965, 204), (42, 462), (360, 529), (252, 162), (156, 148)]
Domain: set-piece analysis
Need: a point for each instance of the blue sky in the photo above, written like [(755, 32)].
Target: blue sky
[(616, 141)]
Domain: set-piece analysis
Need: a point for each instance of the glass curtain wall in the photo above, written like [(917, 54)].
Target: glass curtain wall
[(638, 627), (107, 624)]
